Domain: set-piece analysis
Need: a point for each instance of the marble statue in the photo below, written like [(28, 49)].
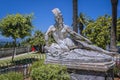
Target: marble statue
[(71, 46), (76, 52)]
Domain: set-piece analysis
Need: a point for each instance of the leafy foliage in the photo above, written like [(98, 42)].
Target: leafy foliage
[(26, 42), (16, 26), (116, 70), (99, 31), (38, 38), (51, 39), (118, 29), (34, 56), (11, 76), (41, 71), (83, 20)]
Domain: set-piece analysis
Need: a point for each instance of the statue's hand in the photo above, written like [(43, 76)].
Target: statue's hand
[(73, 47)]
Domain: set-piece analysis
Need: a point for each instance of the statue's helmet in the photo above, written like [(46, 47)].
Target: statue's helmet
[(58, 16), (56, 11)]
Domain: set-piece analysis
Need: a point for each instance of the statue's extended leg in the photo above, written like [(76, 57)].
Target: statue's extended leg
[(94, 48)]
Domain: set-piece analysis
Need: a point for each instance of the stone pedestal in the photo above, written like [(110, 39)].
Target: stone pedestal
[(86, 71), (90, 75)]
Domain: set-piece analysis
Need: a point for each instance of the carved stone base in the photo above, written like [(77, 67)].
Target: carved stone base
[(76, 64), (86, 71), (90, 75)]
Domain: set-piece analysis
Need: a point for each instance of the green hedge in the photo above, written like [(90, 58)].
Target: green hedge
[(116, 71), (11, 76), (41, 71), (7, 61)]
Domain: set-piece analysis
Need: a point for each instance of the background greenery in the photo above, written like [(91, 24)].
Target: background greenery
[(41, 71), (12, 76)]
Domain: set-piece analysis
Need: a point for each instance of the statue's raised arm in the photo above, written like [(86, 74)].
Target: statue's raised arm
[(78, 37), (49, 31)]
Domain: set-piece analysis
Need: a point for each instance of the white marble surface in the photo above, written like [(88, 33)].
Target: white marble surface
[(65, 46)]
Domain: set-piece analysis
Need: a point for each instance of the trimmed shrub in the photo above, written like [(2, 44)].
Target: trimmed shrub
[(41, 71), (11, 76), (116, 71)]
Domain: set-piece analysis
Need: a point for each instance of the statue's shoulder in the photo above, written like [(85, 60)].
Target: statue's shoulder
[(66, 26), (51, 28)]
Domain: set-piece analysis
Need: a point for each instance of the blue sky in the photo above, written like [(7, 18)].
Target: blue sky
[(43, 16)]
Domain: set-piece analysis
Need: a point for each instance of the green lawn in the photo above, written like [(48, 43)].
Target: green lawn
[(7, 61)]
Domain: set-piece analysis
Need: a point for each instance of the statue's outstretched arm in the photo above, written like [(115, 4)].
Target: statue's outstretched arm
[(87, 43), (77, 36)]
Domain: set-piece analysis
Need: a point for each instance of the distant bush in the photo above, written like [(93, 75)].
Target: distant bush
[(116, 71), (11, 76), (41, 71)]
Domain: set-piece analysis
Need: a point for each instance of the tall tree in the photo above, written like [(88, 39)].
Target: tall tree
[(98, 31), (38, 40), (113, 27), (83, 21), (118, 29), (16, 26), (75, 15)]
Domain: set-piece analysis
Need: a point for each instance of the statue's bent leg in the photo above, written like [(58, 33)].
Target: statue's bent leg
[(69, 43), (63, 46)]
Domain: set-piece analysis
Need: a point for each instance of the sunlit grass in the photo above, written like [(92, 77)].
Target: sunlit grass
[(118, 43), (8, 61)]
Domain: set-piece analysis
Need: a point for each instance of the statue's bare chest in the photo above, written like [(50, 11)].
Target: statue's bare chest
[(59, 34)]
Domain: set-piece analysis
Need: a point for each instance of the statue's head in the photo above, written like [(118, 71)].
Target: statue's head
[(56, 12), (58, 16)]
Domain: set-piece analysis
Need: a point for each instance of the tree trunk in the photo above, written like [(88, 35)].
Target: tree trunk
[(75, 16), (14, 52), (81, 28), (113, 27)]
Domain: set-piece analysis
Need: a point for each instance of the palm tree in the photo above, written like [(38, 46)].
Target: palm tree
[(38, 40), (118, 29), (83, 21), (75, 15), (113, 27)]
